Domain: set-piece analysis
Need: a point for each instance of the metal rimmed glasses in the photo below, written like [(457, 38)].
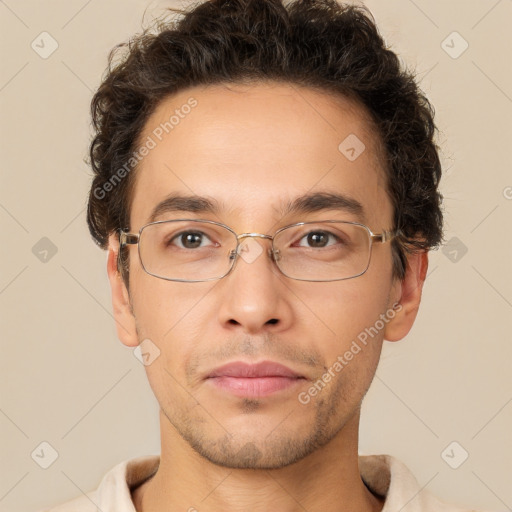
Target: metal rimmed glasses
[(192, 250)]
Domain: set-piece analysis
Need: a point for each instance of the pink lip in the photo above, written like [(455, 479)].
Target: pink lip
[(253, 380), (263, 369)]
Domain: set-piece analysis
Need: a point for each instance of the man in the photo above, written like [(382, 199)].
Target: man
[(266, 185)]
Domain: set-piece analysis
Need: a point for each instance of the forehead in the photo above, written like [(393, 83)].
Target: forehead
[(253, 149)]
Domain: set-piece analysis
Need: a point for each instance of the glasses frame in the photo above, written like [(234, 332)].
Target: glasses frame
[(126, 238)]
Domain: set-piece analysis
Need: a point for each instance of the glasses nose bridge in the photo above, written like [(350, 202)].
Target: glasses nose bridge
[(273, 254), (254, 235)]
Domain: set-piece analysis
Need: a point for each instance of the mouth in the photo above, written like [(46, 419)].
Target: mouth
[(254, 380)]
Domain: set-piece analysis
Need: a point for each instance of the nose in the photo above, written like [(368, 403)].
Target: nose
[(255, 297)]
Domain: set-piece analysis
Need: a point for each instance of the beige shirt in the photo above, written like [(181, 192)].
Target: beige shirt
[(383, 474)]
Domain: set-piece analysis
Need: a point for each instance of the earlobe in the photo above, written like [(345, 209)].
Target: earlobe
[(407, 292), (123, 316)]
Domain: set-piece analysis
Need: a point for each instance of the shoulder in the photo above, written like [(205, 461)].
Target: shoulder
[(82, 504), (114, 491), (390, 478)]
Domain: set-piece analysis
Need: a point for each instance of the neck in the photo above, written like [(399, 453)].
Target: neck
[(327, 479)]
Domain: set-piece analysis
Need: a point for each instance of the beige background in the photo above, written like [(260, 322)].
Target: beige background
[(67, 380)]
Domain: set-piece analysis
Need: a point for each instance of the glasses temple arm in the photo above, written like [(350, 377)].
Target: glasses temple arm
[(128, 238), (386, 236)]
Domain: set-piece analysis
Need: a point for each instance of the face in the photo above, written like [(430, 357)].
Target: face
[(251, 150)]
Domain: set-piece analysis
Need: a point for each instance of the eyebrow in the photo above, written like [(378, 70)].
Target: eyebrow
[(307, 203), (180, 203), (322, 201)]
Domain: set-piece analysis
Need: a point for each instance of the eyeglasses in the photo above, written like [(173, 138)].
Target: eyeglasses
[(192, 250)]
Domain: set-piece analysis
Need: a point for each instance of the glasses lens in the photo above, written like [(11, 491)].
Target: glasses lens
[(186, 250), (323, 251)]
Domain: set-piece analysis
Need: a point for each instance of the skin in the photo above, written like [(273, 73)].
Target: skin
[(254, 147)]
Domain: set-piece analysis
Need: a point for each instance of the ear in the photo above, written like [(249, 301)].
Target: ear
[(407, 293), (123, 316)]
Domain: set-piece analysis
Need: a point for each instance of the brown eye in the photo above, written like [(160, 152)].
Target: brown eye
[(318, 239), (189, 239)]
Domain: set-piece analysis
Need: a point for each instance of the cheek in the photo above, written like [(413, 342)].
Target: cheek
[(352, 351), (170, 320), (346, 308), (163, 307), (351, 341), (172, 316)]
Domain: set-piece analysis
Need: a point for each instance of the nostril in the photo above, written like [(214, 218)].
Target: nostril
[(272, 321)]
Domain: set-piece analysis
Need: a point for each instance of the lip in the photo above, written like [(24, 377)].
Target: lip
[(253, 380), (262, 369)]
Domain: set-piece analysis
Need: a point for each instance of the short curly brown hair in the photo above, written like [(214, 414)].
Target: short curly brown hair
[(320, 44)]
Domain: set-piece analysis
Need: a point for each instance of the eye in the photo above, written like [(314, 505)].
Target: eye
[(318, 239), (189, 240)]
